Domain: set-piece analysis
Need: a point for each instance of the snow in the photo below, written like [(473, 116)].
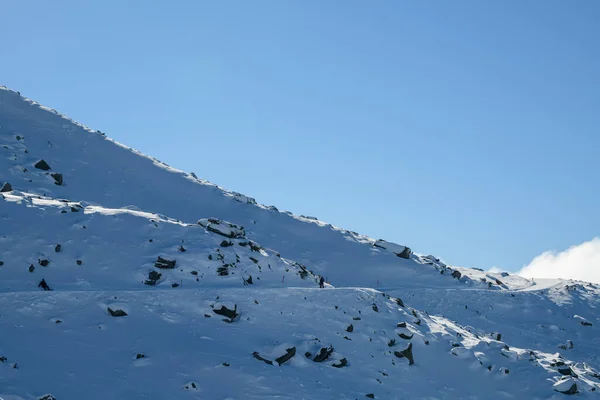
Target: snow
[(473, 334)]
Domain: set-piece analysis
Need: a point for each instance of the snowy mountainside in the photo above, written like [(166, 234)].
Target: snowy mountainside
[(167, 286)]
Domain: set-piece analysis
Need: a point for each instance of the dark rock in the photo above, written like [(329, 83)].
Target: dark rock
[(406, 353), (226, 364), (392, 343), (291, 352), (399, 302), (3, 359), (401, 325), (254, 260), (47, 397), (191, 385), (182, 249), (6, 187), (307, 354), (375, 308), (175, 285), (226, 243), (223, 271), (370, 395), (586, 323), (566, 371), (343, 362), (405, 253), (258, 357), (456, 274), (164, 263), (58, 248), (79, 262), (153, 277), (497, 336), (31, 268), (405, 337), (1, 263), (499, 282), (194, 272), (350, 328), (117, 313), (44, 262), (139, 355), (226, 312), (324, 354), (356, 318), (572, 390), (74, 209), (43, 165), (58, 178)]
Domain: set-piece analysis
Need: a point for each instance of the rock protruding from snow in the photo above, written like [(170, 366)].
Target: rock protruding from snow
[(243, 198), (566, 386), (406, 353), (324, 354), (223, 228), (43, 165), (163, 263), (231, 314), (6, 187), (397, 249), (58, 178), (117, 312), (289, 353)]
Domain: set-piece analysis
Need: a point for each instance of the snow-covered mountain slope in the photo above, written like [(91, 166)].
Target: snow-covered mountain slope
[(221, 294)]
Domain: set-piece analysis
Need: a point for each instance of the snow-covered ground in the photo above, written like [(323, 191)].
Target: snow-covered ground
[(222, 298)]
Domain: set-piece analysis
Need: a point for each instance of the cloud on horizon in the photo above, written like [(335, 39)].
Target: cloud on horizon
[(580, 262)]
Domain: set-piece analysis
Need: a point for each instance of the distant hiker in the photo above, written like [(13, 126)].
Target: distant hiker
[(322, 282), (44, 285)]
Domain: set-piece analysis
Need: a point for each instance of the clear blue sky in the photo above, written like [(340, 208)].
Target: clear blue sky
[(466, 129)]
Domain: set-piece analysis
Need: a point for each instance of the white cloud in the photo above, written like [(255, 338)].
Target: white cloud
[(577, 262)]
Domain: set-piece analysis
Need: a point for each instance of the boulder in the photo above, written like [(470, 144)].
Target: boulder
[(343, 362), (324, 354), (405, 336), (153, 277), (456, 274), (163, 263), (6, 187), (31, 268), (399, 302), (43, 165), (291, 352), (226, 243), (350, 328), (58, 178), (47, 397), (116, 313), (370, 395), (407, 353), (222, 228), (58, 248), (43, 262), (567, 386), (226, 312), (258, 357)]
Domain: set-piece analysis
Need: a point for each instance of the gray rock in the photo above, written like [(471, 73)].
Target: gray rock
[(291, 352), (58, 178), (6, 187), (163, 263), (43, 165), (117, 313)]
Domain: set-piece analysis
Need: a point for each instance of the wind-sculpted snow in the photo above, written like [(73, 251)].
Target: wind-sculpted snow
[(164, 286)]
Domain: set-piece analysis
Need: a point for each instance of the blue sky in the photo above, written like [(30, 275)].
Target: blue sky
[(467, 129)]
